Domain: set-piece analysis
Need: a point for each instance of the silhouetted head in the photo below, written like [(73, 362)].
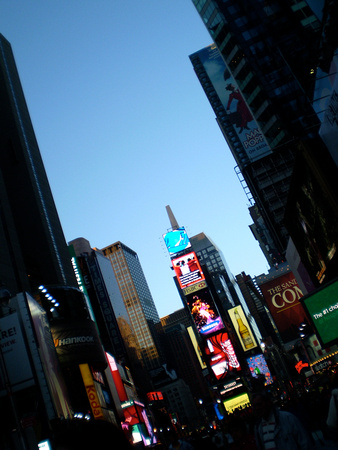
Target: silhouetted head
[(262, 405)]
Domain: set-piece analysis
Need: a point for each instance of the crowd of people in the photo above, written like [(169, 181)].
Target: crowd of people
[(304, 421)]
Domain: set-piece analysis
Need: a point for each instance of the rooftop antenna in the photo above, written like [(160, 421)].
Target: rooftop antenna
[(173, 222)]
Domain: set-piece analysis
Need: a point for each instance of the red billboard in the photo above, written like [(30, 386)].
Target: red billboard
[(187, 269), (221, 355), (282, 296)]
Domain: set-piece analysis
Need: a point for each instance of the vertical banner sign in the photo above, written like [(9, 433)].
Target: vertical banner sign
[(282, 296), (238, 113), (221, 355), (91, 391), (242, 328)]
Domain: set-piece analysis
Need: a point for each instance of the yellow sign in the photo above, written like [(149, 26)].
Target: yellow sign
[(242, 328), (240, 401), (91, 391)]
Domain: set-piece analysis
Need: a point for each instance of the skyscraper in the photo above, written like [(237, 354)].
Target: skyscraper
[(137, 299), (105, 298), (265, 55), (33, 250), (221, 279)]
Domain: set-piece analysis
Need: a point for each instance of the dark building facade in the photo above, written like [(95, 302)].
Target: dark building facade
[(219, 277), (181, 353), (269, 54), (256, 304), (104, 296), (114, 325), (36, 268), (33, 250)]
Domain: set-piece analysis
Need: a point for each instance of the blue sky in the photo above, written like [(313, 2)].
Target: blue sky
[(124, 129)]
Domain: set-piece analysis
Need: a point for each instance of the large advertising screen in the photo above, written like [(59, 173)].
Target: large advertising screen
[(221, 355), (258, 366), (282, 295), (188, 270), (204, 312), (242, 328), (176, 240), (238, 112), (322, 308), (241, 401)]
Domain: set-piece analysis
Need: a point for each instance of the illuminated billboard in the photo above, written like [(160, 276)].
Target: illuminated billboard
[(241, 401), (258, 366), (204, 312), (176, 240), (221, 355), (196, 347), (188, 270), (238, 113), (282, 295), (92, 394), (322, 308), (155, 396), (242, 328)]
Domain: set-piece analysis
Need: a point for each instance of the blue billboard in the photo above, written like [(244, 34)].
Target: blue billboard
[(176, 240)]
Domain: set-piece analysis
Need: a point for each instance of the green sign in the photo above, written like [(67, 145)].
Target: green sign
[(322, 306)]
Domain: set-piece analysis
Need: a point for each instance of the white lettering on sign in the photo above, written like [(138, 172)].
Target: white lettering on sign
[(73, 340)]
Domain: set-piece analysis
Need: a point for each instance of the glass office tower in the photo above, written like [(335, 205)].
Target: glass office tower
[(33, 250), (137, 299)]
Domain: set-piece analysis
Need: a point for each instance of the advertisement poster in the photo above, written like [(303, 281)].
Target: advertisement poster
[(77, 342), (188, 270), (13, 350), (322, 307), (242, 328), (221, 355), (176, 240), (239, 402), (237, 110), (49, 359), (282, 295), (258, 366), (204, 312)]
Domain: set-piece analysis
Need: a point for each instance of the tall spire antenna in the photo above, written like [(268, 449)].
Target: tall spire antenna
[(173, 222)]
